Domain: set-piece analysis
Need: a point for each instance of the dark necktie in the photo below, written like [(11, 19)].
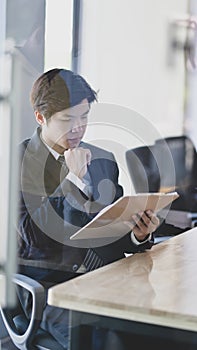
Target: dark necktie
[(61, 160), (86, 179), (92, 261)]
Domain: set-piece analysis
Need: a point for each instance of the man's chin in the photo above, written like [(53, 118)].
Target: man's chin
[(73, 143)]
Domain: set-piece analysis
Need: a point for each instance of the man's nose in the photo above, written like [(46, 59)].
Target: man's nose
[(77, 125)]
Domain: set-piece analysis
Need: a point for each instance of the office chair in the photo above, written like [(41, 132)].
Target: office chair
[(143, 169), (169, 164), (5, 340), (24, 328), (183, 154)]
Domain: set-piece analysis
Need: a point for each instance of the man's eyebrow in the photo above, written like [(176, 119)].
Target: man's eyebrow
[(73, 116)]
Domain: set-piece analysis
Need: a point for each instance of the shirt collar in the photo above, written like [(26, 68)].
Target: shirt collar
[(55, 154)]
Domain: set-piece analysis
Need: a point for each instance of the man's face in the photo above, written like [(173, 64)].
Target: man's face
[(66, 128)]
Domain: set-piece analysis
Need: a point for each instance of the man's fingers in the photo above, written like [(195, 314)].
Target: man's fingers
[(77, 160), (146, 222), (154, 219), (88, 156)]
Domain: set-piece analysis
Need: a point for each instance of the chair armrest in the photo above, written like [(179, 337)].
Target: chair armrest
[(38, 303)]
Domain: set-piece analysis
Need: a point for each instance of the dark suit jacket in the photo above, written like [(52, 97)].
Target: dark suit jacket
[(52, 208)]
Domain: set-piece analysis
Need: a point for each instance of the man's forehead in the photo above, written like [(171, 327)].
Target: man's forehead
[(76, 111)]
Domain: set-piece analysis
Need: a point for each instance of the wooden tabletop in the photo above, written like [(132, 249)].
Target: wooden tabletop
[(158, 286)]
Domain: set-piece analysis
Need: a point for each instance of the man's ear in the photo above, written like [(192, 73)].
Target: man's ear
[(40, 118)]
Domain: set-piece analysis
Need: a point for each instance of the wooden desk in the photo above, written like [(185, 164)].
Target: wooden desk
[(157, 287)]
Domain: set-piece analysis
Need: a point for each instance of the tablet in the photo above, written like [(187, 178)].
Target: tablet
[(113, 220)]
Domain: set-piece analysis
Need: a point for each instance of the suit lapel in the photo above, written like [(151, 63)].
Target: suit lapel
[(95, 175), (49, 177)]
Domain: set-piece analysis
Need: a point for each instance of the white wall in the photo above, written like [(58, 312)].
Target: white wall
[(58, 36), (191, 101), (124, 55)]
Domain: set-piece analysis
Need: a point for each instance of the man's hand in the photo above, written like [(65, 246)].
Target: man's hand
[(145, 223), (77, 159)]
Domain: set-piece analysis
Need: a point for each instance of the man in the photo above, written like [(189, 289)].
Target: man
[(64, 183)]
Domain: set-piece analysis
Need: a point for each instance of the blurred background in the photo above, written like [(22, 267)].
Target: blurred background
[(139, 55)]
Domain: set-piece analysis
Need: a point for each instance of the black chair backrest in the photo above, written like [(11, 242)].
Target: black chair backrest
[(183, 154), (143, 169), (169, 163)]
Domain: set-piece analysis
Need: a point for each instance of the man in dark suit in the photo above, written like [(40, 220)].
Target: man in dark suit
[(64, 183)]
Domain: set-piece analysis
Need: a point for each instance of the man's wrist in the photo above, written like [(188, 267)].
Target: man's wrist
[(76, 180), (138, 242)]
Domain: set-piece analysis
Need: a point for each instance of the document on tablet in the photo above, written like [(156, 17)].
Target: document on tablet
[(113, 220)]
